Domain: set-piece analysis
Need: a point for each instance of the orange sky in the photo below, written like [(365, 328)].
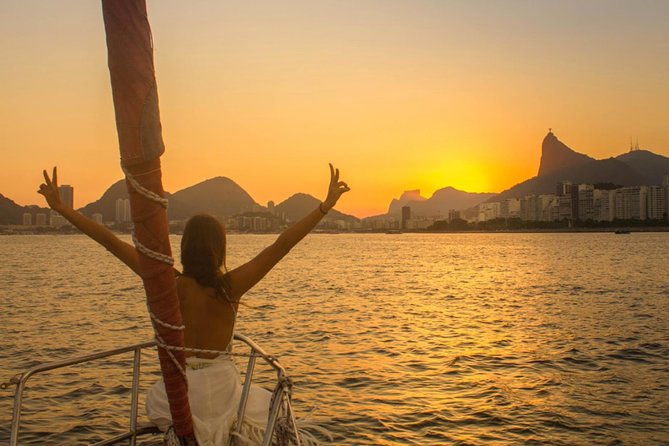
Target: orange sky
[(400, 95)]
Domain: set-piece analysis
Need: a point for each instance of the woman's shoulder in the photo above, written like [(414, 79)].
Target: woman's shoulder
[(189, 287)]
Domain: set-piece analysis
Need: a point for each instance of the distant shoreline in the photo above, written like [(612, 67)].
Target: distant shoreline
[(18, 230)]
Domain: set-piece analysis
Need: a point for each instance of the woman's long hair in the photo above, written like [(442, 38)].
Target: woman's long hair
[(203, 253)]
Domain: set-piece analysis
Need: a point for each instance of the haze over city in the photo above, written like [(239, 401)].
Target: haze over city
[(399, 95)]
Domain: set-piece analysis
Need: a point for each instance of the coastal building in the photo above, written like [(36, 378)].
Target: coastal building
[(584, 202), (567, 189), (418, 223), (97, 218), (603, 204), (57, 220), (631, 203), (406, 216), (66, 193), (380, 222), (490, 211), (122, 210), (27, 219), (563, 188), (252, 222), (586, 208), (453, 215), (548, 207), (510, 208), (565, 207), (258, 224), (40, 219), (524, 213), (271, 207), (530, 208), (665, 185), (340, 224), (657, 202)]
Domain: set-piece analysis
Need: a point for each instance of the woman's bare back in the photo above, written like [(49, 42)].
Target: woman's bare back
[(209, 319)]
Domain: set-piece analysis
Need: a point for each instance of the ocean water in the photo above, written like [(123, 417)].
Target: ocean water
[(425, 339)]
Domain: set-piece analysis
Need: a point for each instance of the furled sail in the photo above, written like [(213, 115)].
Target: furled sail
[(131, 68)]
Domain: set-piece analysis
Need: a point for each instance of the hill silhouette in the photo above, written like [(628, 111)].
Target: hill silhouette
[(219, 196), (408, 196), (298, 205), (10, 212), (652, 166), (556, 156), (439, 203)]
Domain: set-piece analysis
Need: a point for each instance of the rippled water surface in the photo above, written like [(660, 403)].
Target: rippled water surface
[(468, 339)]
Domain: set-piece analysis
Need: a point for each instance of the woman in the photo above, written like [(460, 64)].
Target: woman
[(209, 297)]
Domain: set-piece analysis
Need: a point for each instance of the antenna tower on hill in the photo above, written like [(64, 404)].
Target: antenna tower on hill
[(634, 147)]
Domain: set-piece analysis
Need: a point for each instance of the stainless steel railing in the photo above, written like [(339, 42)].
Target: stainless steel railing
[(22, 379), (281, 392), (133, 432)]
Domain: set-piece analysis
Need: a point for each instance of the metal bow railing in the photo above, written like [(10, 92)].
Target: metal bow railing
[(280, 398)]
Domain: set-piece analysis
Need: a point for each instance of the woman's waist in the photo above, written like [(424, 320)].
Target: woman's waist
[(197, 363)]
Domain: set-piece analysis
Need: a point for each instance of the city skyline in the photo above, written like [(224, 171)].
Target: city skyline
[(399, 96), (572, 205)]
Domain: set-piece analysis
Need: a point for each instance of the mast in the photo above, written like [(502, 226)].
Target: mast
[(130, 58)]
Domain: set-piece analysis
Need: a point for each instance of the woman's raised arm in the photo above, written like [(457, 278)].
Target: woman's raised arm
[(246, 276), (124, 251)]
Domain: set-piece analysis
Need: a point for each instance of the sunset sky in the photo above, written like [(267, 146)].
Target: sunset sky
[(398, 94)]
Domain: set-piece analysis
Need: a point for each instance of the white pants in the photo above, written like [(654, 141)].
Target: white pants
[(214, 390)]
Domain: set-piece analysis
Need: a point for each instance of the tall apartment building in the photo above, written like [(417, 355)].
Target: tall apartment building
[(563, 188), (565, 207), (665, 184), (657, 202), (57, 220), (66, 193), (527, 208), (510, 208), (40, 219), (604, 204), (631, 203), (489, 211), (543, 207), (406, 216), (122, 210), (550, 207), (568, 200), (586, 208)]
